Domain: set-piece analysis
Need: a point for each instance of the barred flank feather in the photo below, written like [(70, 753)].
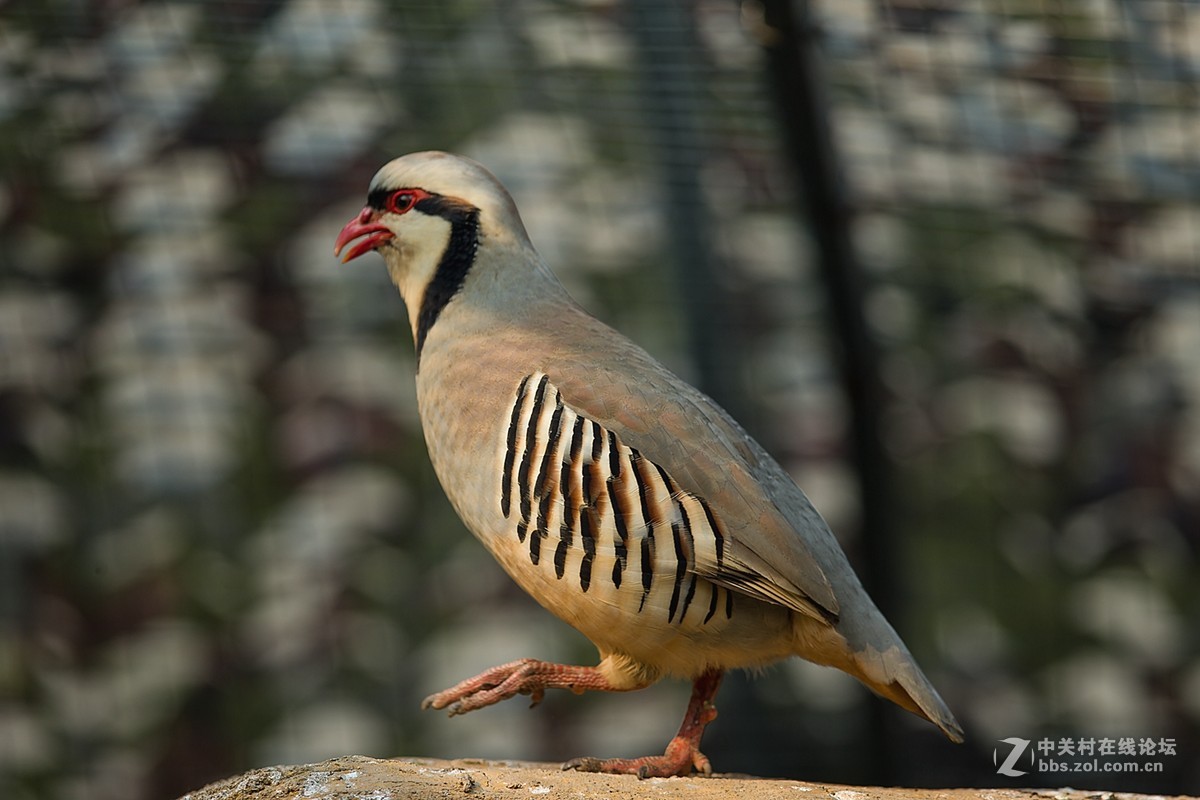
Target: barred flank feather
[(591, 498)]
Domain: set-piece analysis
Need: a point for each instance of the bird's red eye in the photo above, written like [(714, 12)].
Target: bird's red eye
[(401, 202)]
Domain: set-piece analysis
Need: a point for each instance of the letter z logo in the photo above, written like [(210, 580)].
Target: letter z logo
[(1019, 746)]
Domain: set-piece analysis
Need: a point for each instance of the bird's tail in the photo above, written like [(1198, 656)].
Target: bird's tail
[(864, 645), (910, 689)]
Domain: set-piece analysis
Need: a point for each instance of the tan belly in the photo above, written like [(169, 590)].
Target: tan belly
[(672, 620)]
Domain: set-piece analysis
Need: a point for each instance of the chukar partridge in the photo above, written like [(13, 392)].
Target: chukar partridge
[(624, 500)]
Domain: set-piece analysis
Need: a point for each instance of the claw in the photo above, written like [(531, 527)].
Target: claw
[(682, 755), (531, 677), (526, 676), (680, 759)]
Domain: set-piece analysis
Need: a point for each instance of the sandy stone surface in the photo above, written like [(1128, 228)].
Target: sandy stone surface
[(360, 778)]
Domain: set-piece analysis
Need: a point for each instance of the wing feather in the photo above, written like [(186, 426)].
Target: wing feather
[(766, 527)]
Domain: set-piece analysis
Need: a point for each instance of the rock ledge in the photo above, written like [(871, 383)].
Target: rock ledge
[(361, 778)]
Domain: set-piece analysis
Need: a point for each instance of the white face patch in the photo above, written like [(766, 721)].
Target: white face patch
[(413, 256)]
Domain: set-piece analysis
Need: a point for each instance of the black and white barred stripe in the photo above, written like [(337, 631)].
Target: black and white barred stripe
[(578, 495)]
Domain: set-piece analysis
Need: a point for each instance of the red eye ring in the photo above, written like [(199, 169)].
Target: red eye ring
[(403, 200)]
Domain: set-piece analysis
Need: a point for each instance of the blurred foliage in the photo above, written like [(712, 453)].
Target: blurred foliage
[(220, 542)]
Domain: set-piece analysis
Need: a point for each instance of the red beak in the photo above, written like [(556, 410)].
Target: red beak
[(363, 225)]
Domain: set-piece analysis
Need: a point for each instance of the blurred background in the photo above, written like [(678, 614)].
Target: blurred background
[(940, 257)]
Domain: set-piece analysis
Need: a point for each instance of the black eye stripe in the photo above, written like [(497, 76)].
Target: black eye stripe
[(449, 208), (378, 198), (389, 199)]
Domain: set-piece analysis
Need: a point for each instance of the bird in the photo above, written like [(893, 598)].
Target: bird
[(625, 501)]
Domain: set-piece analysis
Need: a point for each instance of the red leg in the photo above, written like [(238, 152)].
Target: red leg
[(683, 752), (526, 676)]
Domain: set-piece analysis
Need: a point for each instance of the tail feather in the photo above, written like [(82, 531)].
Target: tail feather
[(911, 690), (864, 645)]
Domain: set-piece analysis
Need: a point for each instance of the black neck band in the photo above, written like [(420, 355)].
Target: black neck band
[(455, 264)]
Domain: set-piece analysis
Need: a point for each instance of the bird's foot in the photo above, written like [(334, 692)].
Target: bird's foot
[(683, 752), (681, 758), (525, 676)]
